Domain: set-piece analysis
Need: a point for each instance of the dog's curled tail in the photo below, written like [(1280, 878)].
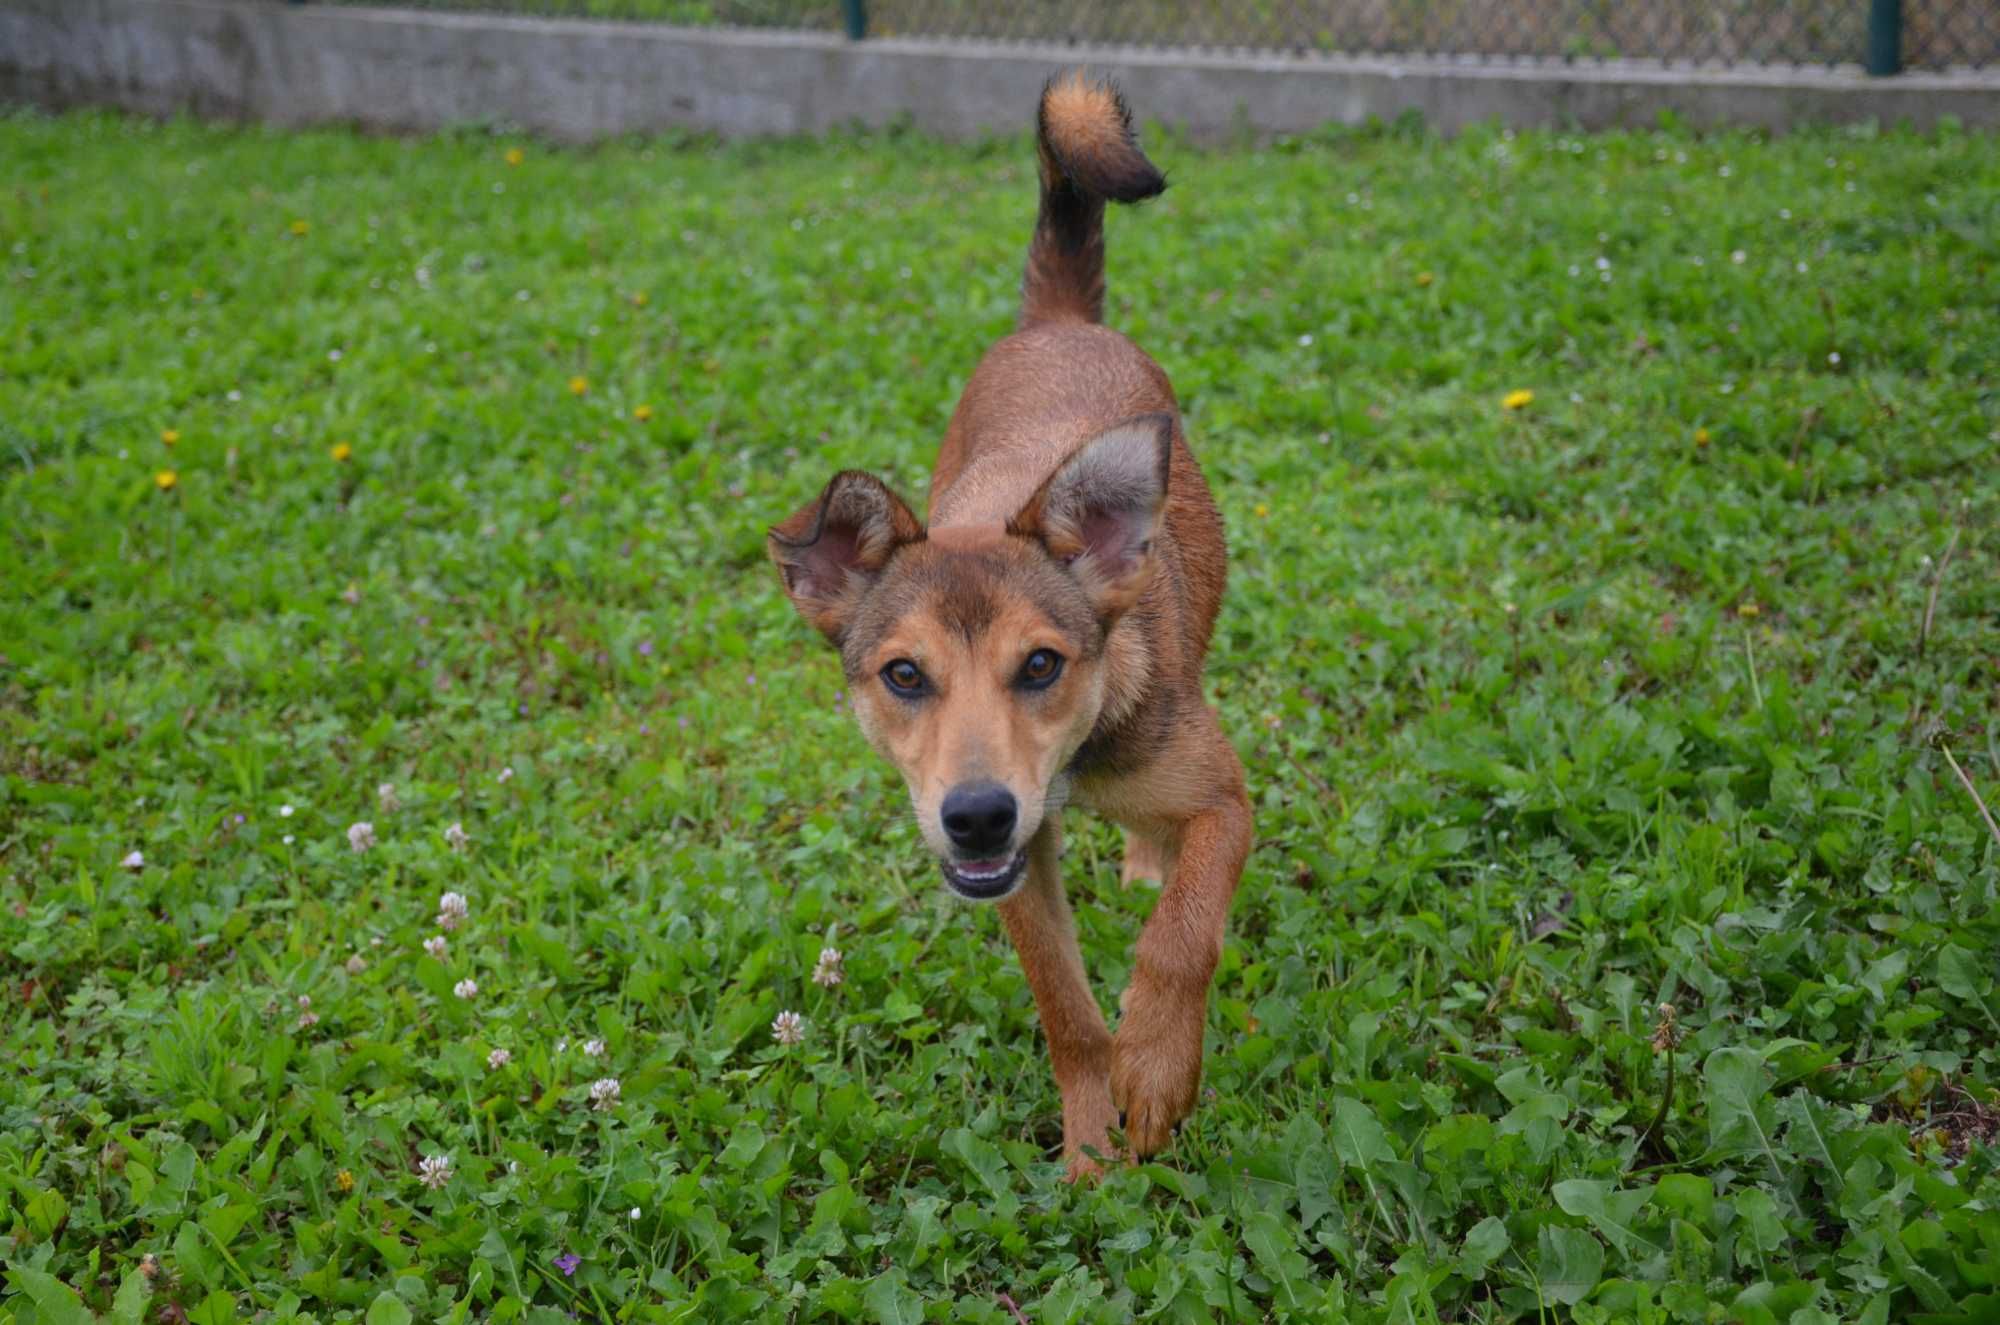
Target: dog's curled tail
[(1083, 135)]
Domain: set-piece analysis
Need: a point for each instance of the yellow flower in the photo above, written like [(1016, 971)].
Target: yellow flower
[(301, 226), (639, 299), (578, 385), (1517, 399), (642, 413), (344, 1180), (1424, 278), (165, 479), (515, 156), (1701, 437), (170, 435), (1747, 609), (342, 452), (1263, 511)]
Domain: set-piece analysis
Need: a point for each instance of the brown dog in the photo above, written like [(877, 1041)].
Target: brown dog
[(1041, 642)]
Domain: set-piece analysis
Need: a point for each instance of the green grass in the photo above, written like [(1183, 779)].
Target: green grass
[(1552, 715)]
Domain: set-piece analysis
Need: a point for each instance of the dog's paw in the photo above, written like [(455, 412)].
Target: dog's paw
[(1156, 1068), (1087, 1166), (1088, 1117)]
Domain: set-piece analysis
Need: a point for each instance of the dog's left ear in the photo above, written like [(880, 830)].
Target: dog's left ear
[(831, 549), (1099, 512)]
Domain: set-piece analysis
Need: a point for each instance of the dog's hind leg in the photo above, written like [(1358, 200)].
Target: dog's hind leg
[(1038, 920), (1145, 860)]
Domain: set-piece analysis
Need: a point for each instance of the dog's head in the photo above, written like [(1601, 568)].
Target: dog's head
[(979, 658)]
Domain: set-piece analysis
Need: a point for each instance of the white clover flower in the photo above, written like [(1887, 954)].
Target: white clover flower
[(285, 812), (134, 860), (593, 1048), (361, 836), (434, 1171), (467, 988), (452, 910), (633, 1213), (789, 1028), (307, 1017), (437, 946), (356, 964), (604, 1094), (498, 1059), (507, 773), (829, 971), (1739, 257), (386, 797), (562, 1045), (456, 837)]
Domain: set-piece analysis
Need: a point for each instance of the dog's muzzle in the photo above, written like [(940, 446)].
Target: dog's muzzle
[(980, 818)]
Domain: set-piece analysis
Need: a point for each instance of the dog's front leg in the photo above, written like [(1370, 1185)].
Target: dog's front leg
[(1156, 1057), (1039, 922)]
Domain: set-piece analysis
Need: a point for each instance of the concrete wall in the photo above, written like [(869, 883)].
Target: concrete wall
[(575, 79)]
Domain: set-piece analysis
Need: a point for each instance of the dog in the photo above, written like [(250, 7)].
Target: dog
[(1039, 642)]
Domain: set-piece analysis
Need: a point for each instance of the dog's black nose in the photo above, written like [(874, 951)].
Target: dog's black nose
[(979, 817)]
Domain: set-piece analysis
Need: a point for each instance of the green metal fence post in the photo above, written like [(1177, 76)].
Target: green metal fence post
[(1885, 37), (857, 18)]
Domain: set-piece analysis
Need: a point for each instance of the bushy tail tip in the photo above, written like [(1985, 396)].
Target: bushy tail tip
[(1083, 137)]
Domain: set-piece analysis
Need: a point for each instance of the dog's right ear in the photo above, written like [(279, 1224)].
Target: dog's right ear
[(832, 548)]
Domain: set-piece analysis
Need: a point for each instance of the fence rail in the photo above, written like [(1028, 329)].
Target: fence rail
[(1884, 36)]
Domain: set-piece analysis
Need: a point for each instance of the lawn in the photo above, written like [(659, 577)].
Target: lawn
[(1615, 585)]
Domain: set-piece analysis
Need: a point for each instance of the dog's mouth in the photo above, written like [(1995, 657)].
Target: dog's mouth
[(984, 880)]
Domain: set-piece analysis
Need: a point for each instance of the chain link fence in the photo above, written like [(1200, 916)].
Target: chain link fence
[(1935, 34)]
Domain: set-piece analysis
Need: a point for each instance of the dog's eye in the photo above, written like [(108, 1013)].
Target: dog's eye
[(904, 677), (1042, 668)]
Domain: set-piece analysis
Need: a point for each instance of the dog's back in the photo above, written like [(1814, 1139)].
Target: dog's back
[(1064, 377)]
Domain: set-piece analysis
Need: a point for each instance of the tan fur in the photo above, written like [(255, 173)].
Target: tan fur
[(972, 731), (1146, 860), (1067, 513), (1073, 111)]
